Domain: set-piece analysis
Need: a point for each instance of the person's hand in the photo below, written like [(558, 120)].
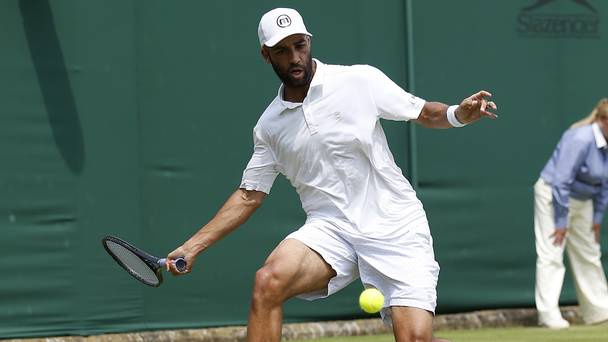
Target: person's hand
[(596, 230), (181, 252), (475, 107), (559, 235)]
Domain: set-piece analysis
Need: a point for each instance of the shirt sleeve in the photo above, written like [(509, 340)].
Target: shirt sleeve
[(568, 160), (392, 102), (600, 202), (261, 171)]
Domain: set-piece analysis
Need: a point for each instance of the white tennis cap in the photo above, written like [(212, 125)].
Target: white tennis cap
[(278, 24)]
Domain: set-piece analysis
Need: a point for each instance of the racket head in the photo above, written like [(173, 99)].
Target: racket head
[(139, 264)]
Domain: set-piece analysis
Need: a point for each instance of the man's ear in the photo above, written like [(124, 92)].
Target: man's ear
[(265, 54)]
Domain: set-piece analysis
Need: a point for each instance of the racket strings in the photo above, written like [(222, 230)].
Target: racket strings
[(133, 262)]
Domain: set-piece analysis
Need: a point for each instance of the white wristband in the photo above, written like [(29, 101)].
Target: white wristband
[(451, 115)]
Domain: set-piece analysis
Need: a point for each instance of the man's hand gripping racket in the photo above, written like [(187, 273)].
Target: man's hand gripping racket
[(142, 266), (182, 253)]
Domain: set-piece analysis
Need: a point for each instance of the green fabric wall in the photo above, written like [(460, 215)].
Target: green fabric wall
[(134, 118), (476, 183)]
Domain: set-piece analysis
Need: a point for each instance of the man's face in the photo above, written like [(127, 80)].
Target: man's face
[(291, 60)]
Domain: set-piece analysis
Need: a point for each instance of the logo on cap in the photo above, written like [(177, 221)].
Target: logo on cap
[(283, 20)]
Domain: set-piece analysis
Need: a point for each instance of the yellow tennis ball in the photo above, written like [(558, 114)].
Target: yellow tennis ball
[(371, 300)]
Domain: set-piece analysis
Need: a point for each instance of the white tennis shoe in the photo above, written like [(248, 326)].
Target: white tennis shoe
[(555, 324)]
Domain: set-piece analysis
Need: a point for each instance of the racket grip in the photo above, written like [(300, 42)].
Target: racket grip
[(180, 264)]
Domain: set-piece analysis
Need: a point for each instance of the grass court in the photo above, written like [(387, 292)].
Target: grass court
[(595, 333)]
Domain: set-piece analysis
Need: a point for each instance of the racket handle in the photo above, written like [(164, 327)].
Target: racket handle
[(180, 264)]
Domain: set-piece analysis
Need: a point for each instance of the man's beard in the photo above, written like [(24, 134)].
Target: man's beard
[(294, 83)]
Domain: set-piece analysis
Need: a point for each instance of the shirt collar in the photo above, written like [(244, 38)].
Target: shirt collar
[(600, 140), (319, 76), (317, 81)]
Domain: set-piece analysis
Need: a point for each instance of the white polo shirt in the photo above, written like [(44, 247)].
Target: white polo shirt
[(333, 150)]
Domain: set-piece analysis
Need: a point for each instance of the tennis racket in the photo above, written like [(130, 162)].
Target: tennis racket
[(142, 266)]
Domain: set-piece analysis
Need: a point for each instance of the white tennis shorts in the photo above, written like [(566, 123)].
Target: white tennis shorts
[(402, 266)]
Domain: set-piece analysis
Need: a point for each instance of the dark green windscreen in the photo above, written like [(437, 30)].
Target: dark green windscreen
[(476, 183), (134, 118)]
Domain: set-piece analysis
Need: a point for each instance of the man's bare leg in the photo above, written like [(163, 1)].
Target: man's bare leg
[(412, 324), (291, 269)]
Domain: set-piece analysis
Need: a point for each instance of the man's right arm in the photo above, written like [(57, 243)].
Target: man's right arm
[(236, 211)]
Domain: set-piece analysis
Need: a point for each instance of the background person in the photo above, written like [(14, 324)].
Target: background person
[(570, 198)]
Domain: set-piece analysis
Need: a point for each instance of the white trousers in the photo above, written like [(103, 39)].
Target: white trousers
[(583, 252)]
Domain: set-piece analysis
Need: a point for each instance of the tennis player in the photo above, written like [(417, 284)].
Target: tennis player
[(322, 131)]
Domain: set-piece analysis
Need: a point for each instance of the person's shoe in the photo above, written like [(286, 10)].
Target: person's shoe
[(600, 321), (556, 324)]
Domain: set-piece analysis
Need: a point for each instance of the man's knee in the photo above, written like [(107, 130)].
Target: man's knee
[(269, 285)]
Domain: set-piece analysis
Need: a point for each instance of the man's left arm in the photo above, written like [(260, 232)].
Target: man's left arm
[(471, 109)]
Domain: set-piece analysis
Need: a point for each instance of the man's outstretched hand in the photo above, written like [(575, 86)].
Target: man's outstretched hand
[(475, 107)]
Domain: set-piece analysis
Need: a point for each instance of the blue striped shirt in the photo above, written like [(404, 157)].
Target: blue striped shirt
[(578, 168)]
